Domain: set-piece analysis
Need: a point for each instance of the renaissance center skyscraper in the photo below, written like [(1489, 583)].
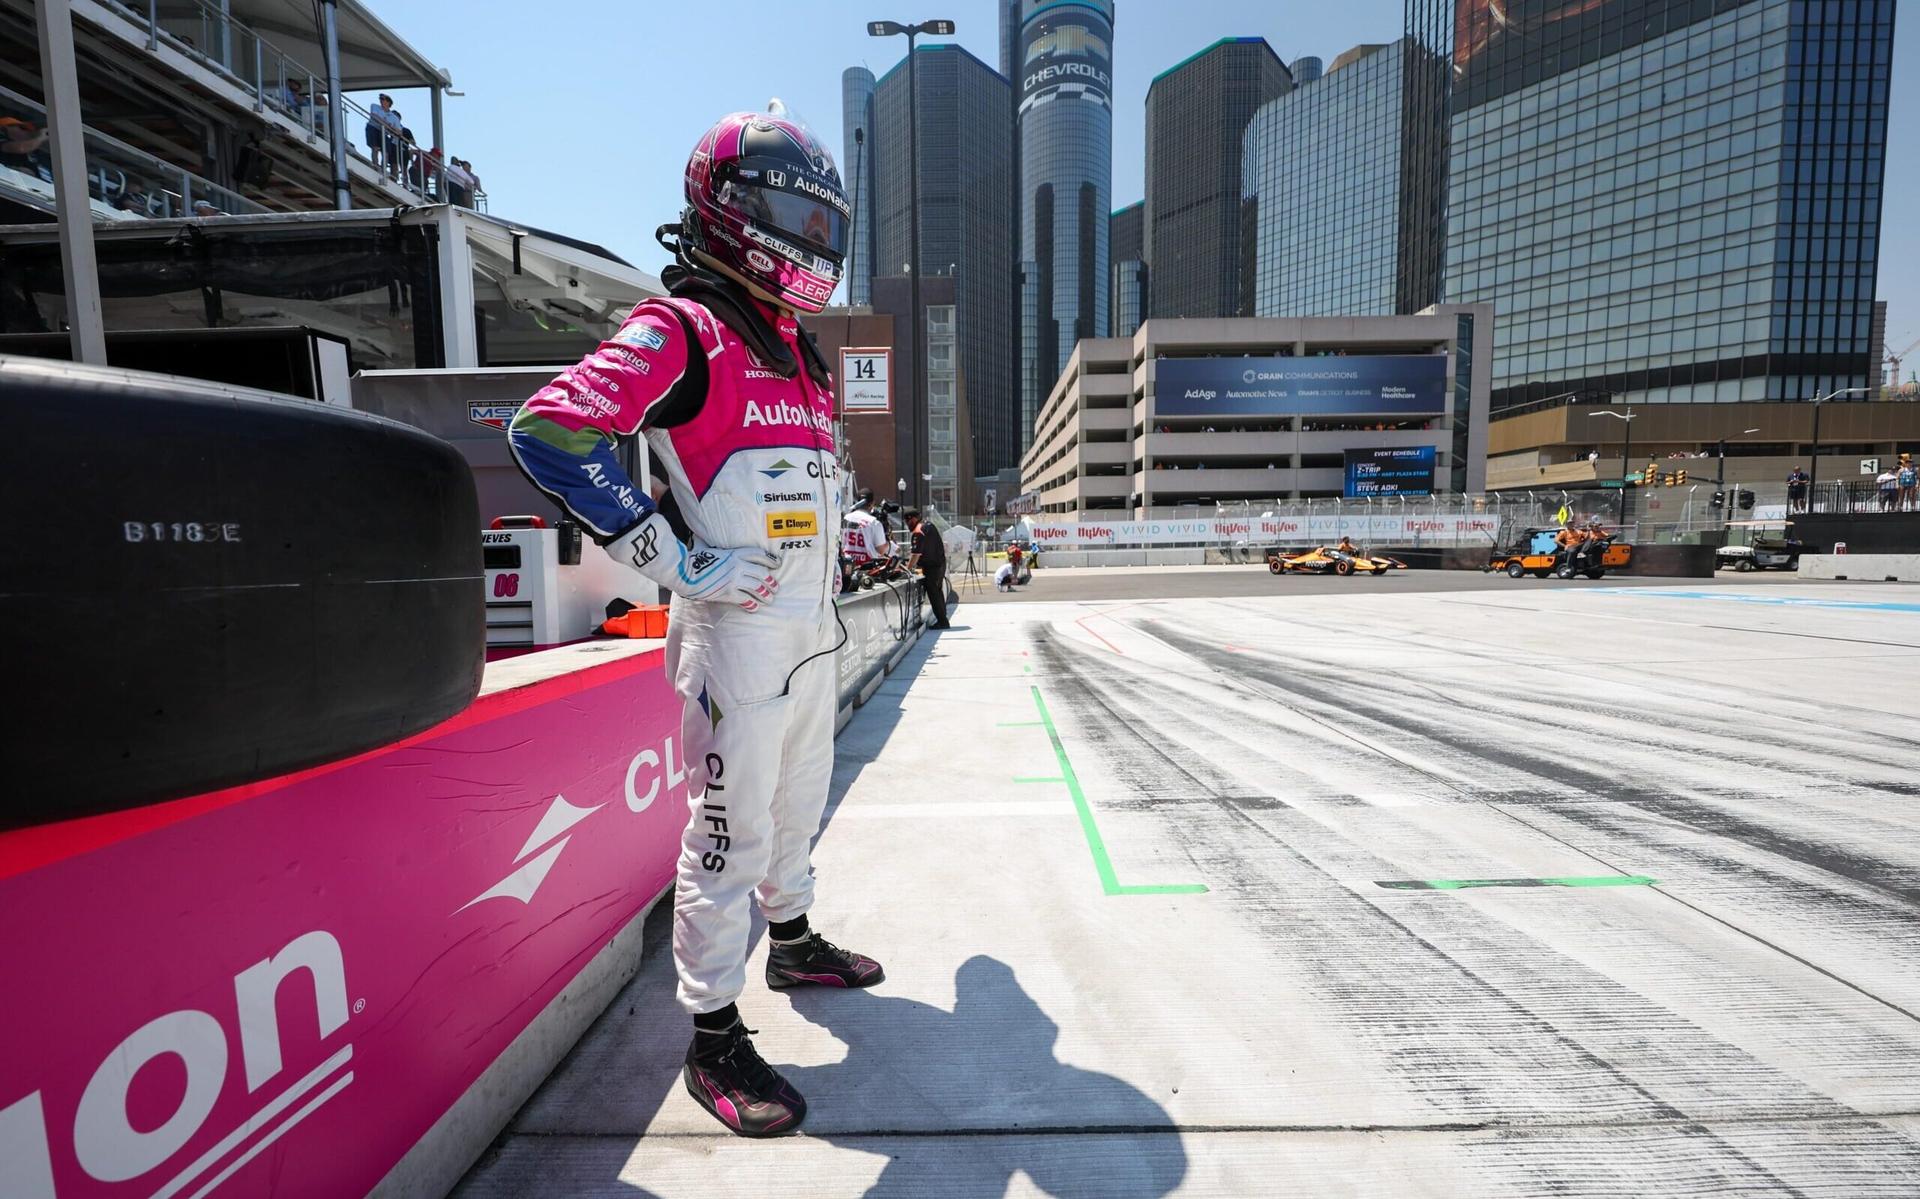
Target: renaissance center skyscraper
[(1063, 77)]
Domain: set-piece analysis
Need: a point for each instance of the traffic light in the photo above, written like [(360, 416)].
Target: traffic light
[(1746, 499), (1680, 477), (1719, 500), (1667, 479)]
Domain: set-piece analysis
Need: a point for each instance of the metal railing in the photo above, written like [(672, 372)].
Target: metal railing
[(293, 89), (118, 175)]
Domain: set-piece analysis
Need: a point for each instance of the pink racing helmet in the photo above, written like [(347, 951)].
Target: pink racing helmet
[(765, 201)]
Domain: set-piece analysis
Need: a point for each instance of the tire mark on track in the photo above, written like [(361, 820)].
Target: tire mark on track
[(1418, 1014), (1707, 821)]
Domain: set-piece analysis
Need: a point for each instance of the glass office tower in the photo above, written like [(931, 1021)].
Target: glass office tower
[(1197, 111), (1064, 82), (1321, 185), (856, 172), (1668, 200), (1344, 189), (1127, 280), (966, 228)]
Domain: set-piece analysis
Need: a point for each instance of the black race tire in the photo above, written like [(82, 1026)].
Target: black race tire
[(1596, 573), (1516, 570), (222, 585), (1343, 568)]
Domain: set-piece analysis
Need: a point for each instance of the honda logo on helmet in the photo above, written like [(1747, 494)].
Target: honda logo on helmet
[(760, 260)]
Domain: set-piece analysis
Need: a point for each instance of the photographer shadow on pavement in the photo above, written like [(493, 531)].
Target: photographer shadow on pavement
[(961, 1101)]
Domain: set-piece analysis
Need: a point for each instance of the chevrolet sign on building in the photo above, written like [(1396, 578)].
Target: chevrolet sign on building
[(1187, 414)]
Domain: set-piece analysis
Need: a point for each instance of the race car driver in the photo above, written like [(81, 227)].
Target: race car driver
[(737, 407)]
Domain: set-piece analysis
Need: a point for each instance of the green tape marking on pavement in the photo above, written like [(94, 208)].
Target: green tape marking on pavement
[(1109, 882), (1461, 884)]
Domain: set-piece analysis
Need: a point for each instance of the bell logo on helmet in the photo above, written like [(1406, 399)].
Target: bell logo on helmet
[(759, 260)]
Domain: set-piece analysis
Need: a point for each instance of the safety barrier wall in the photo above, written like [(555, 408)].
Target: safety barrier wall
[(1890, 533), (882, 625), (1873, 568), (347, 979)]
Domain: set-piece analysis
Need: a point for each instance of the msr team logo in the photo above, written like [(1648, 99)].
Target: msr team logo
[(494, 414)]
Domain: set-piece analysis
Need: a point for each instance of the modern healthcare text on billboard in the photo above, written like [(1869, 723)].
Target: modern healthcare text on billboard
[(1390, 470), (1385, 385)]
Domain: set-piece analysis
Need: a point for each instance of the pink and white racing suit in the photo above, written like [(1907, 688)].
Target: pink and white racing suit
[(751, 466)]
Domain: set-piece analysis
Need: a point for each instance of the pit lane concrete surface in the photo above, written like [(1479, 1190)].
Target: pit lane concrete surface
[(1515, 890)]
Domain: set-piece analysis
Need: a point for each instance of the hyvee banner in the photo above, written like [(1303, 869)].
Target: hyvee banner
[(1270, 530)]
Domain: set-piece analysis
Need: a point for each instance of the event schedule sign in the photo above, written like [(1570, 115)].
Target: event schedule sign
[(1395, 470), (1381, 385), (866, 379)]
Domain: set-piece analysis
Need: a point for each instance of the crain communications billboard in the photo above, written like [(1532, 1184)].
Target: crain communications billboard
[(1386, 385)]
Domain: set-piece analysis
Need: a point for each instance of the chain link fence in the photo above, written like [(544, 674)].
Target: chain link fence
[(1685, 514)]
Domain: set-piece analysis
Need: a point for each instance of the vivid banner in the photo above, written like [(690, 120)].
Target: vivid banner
[(277, 989), (1287, 530)]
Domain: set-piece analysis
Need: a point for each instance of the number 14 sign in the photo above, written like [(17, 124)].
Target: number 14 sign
[(866, 379)]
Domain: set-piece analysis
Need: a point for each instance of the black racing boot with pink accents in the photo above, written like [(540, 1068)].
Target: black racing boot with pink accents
[(813, 961), (728, 1077)]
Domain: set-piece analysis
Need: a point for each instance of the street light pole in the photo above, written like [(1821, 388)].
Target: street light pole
[(1626, 455), (1720, 479), (1813, 472), (916, 319)]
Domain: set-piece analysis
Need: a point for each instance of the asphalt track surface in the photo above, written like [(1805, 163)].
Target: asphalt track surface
[(1515, 890)]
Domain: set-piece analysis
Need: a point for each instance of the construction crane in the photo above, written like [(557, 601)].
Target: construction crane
[(1894, 360)]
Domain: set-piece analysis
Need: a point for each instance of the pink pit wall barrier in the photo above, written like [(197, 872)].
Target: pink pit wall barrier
[(278, 988)]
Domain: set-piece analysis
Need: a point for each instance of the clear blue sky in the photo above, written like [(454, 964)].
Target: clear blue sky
[(579, 114)]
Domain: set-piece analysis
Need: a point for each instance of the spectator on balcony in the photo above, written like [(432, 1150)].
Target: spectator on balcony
[(1796, 490), (459, 183), (383, 129), (24, 147), (416, 166)]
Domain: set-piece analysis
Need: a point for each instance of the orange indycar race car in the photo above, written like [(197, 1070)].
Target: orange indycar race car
[(1330, 560)]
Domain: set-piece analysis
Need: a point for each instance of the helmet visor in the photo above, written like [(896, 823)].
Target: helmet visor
[(818, 226)]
